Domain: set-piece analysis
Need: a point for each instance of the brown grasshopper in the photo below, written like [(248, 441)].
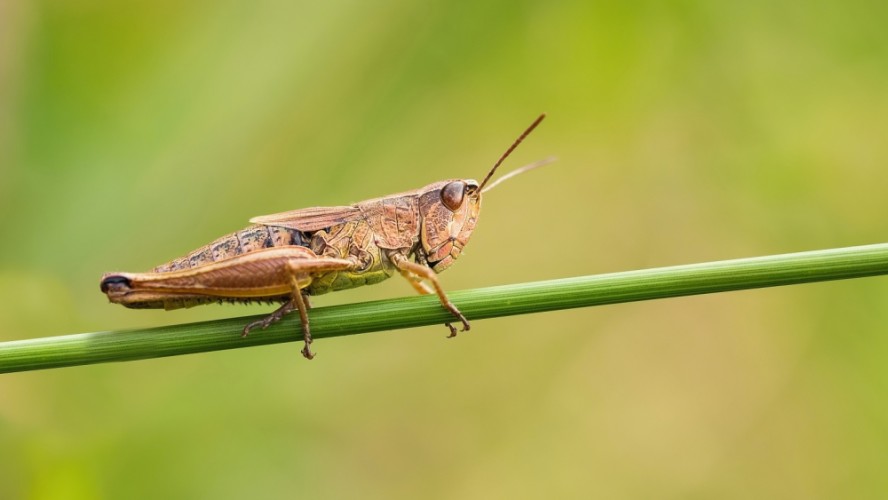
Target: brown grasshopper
[(289, 256)]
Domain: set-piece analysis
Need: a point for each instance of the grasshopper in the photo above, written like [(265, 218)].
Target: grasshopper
[(290, 256)]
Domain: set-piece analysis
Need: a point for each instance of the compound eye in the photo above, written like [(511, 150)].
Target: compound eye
[(452, 195)]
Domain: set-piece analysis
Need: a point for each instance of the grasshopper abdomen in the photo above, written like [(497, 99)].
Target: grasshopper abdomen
[(246, 240)]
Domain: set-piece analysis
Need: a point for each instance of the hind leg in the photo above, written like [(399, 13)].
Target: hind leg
[(266, 273), (302, 306), (299, 271)]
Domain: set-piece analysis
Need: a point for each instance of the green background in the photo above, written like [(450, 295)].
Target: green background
[(687, 131)]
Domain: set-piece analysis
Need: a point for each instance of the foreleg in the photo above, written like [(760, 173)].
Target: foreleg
[(415, 273)]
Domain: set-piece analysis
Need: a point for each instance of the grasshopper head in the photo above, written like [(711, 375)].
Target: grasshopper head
[(449, 212), (449, 209)]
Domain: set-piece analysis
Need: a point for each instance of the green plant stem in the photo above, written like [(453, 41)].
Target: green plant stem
[(350, 319)]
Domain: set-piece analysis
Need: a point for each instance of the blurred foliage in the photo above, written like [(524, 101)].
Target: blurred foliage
[(687, 131)]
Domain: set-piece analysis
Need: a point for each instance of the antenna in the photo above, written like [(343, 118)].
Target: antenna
[(517, 171), (512, 148)]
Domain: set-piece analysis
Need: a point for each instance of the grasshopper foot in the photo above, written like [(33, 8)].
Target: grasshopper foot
[(452, 330), (306, 351), (253, 324), (268, 320), (466, 326)]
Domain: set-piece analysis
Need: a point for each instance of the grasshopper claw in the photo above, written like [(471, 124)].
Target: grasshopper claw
[(306, 351), (250, 326), (466, 326), (465, 322), (452, 330)]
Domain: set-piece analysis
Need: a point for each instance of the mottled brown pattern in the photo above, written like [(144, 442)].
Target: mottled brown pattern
[(318, 250), (253, 238), (163, 268), (409, 223), (415, 223), (280, 236), (394, 221), (247, 240), (353, 241), (435, 220), (312, 219), (201, 257), (180, 263), (225, 247)]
